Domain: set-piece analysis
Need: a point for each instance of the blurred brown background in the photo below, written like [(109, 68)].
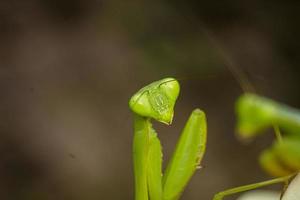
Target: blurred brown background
[(68, 68)]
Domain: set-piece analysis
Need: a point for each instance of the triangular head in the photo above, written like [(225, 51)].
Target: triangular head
[(156, 100)]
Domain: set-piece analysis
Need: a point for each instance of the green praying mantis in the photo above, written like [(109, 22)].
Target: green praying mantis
[(157, 100)]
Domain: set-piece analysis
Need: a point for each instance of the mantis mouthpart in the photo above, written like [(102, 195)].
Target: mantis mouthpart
[(157, 101)]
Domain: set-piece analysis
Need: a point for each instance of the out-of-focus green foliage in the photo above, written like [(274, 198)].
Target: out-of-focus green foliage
[(255, 114)]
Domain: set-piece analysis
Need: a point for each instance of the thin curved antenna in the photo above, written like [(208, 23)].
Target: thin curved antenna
[(237, 72)]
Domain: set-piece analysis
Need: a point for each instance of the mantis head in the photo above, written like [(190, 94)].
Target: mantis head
[(156, 100)]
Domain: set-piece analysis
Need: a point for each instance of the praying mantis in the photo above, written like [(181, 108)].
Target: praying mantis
[(157, 100)]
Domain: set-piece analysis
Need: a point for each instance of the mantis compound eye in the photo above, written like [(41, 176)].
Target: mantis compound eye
[(156, 100)]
